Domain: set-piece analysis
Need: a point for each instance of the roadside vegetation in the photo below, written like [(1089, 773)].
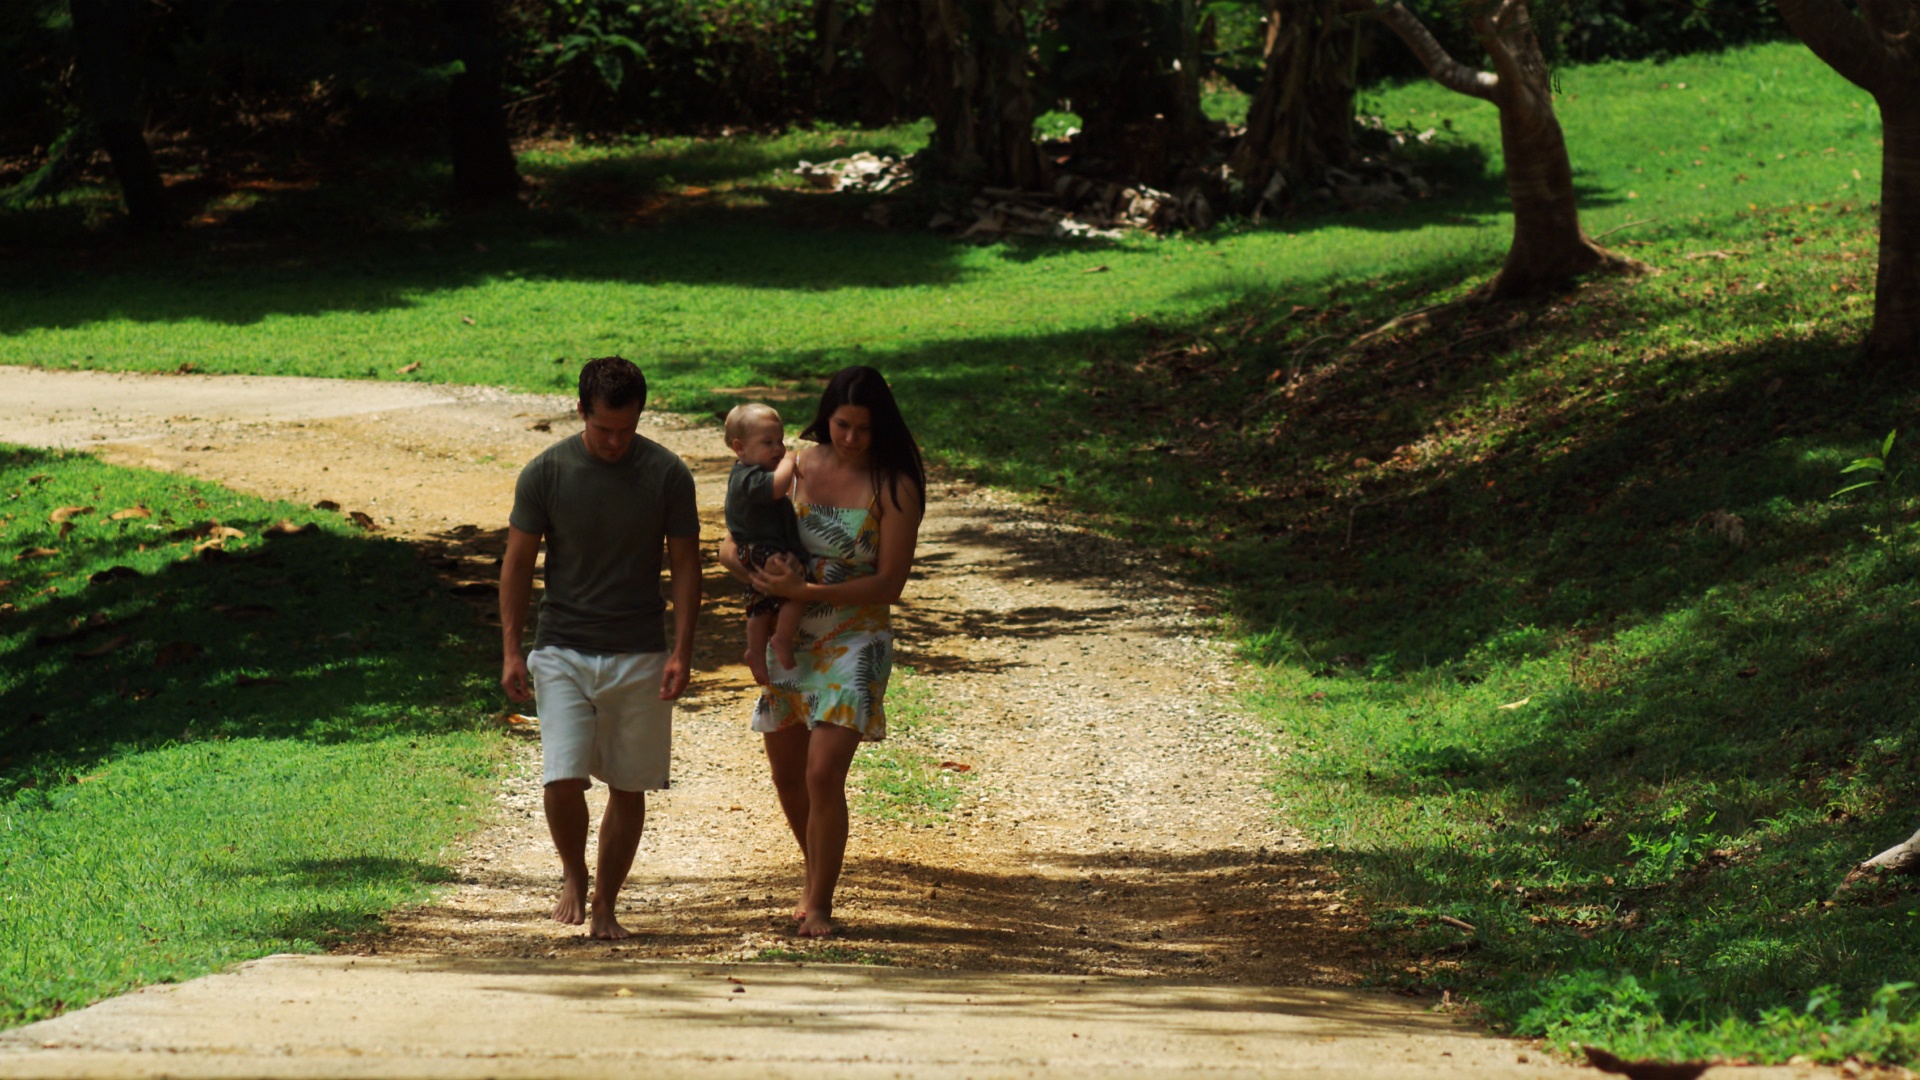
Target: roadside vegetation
[(213, 746), (1570, 656), (903, 777)]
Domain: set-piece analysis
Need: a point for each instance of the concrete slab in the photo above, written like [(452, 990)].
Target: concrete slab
[(301, 1016)]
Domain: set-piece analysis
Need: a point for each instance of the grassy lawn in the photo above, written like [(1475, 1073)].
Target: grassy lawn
[(1562, 637), (211, 757)]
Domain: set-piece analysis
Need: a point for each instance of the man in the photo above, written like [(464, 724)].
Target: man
[(604, 502)]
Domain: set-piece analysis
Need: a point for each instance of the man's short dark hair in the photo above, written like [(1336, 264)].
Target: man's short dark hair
[(613, 381)]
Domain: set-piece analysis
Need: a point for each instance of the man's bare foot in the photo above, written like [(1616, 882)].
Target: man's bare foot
[(815, 926), (571, 908), (605, 927), (756, 663), (783, 651)]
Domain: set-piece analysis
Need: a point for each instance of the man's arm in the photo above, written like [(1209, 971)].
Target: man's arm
[(683, 568), (516, 589)]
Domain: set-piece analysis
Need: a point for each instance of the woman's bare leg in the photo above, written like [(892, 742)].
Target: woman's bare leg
[(829, 754), (787, 762)]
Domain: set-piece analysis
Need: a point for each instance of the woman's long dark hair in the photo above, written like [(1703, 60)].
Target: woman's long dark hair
[(893, 454)]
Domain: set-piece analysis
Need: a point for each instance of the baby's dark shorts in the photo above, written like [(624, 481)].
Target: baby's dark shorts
[(756, 556)]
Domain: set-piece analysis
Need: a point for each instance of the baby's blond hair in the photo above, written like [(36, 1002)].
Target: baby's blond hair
[(745, 417)]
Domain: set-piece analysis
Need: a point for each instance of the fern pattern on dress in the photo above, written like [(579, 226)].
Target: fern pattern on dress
[(844, 654)]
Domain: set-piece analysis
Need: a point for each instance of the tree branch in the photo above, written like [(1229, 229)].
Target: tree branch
[(1432, 55), (1835, 36)]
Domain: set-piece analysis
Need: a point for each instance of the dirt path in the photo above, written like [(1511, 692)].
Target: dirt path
[(1112, 822)]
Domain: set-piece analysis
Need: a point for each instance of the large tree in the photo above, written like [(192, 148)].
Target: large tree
[(1549, 247), (1300, 120), (104, 56), (975, 82), (484, 168), (1879, 51), (1131, 71)]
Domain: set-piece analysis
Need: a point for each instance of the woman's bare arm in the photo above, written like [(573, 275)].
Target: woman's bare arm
[(900, 516)]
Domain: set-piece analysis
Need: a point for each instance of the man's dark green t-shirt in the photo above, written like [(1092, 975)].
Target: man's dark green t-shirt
[(605, 524)]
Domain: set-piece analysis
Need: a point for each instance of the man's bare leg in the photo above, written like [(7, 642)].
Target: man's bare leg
[(787, 762), (785, 625), (566, 805), (758, 629), (829, 754), (620, 830)]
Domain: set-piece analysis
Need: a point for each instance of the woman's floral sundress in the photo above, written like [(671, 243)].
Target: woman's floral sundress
[(845, 654)]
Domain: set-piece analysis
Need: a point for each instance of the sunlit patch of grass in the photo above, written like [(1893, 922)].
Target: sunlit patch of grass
[(207, 757), (903, 778)]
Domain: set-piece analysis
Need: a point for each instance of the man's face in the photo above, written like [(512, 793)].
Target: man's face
[(764, 444), (609, 432)]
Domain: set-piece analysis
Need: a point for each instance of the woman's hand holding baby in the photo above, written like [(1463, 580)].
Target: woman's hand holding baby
[(781, 577)]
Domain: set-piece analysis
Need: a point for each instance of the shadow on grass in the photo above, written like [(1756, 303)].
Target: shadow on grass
[(322, 637)]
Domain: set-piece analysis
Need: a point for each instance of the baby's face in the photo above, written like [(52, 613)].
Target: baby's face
[(765, 444)]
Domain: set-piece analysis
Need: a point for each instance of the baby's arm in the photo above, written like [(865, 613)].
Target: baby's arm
[(783, 475)]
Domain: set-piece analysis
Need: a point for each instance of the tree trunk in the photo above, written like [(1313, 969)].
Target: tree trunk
[(1895, 338), (104, 59), (484, 168), (979, 92), (1132, 77), (1301, 119), (896, 68), (1878, 53), (1549, 247)]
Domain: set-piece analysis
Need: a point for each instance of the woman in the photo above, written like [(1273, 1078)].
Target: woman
[(860, 496)]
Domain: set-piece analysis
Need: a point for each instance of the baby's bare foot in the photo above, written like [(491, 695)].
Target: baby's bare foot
[(571, 907), (756, 663), (783, 651)]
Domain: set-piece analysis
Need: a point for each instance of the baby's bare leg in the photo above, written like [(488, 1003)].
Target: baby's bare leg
[(784, 627), (758, 627)]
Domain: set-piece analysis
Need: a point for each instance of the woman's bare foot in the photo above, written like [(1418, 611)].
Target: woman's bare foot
[(815, 925), (756, 663), (605, 927), (571, 908)]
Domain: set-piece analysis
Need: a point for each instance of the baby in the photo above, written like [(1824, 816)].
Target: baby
[(761, 520)]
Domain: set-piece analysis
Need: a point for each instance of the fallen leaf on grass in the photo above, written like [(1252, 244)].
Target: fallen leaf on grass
[(178, 652), (36, 553), (1517, 704), (284, 528), (1746, 673), (112, 644), (1101, 269), (540, 425), (112, 574), (264, 680), (67, 513), (514, 719), (408, 369), (468, 319), (39, 478), (956, 766), (326, 504), (363, 521), (129, 513), (183, 368)]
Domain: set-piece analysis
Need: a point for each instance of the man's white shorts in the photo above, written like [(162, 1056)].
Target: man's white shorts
[(601, 716)]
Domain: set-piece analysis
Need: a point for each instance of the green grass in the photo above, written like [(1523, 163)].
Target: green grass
[(1526, 507), (212, 757), (903, 778)]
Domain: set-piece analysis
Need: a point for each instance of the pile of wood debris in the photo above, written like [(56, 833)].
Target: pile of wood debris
[(862, 172), (1086, 207)]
